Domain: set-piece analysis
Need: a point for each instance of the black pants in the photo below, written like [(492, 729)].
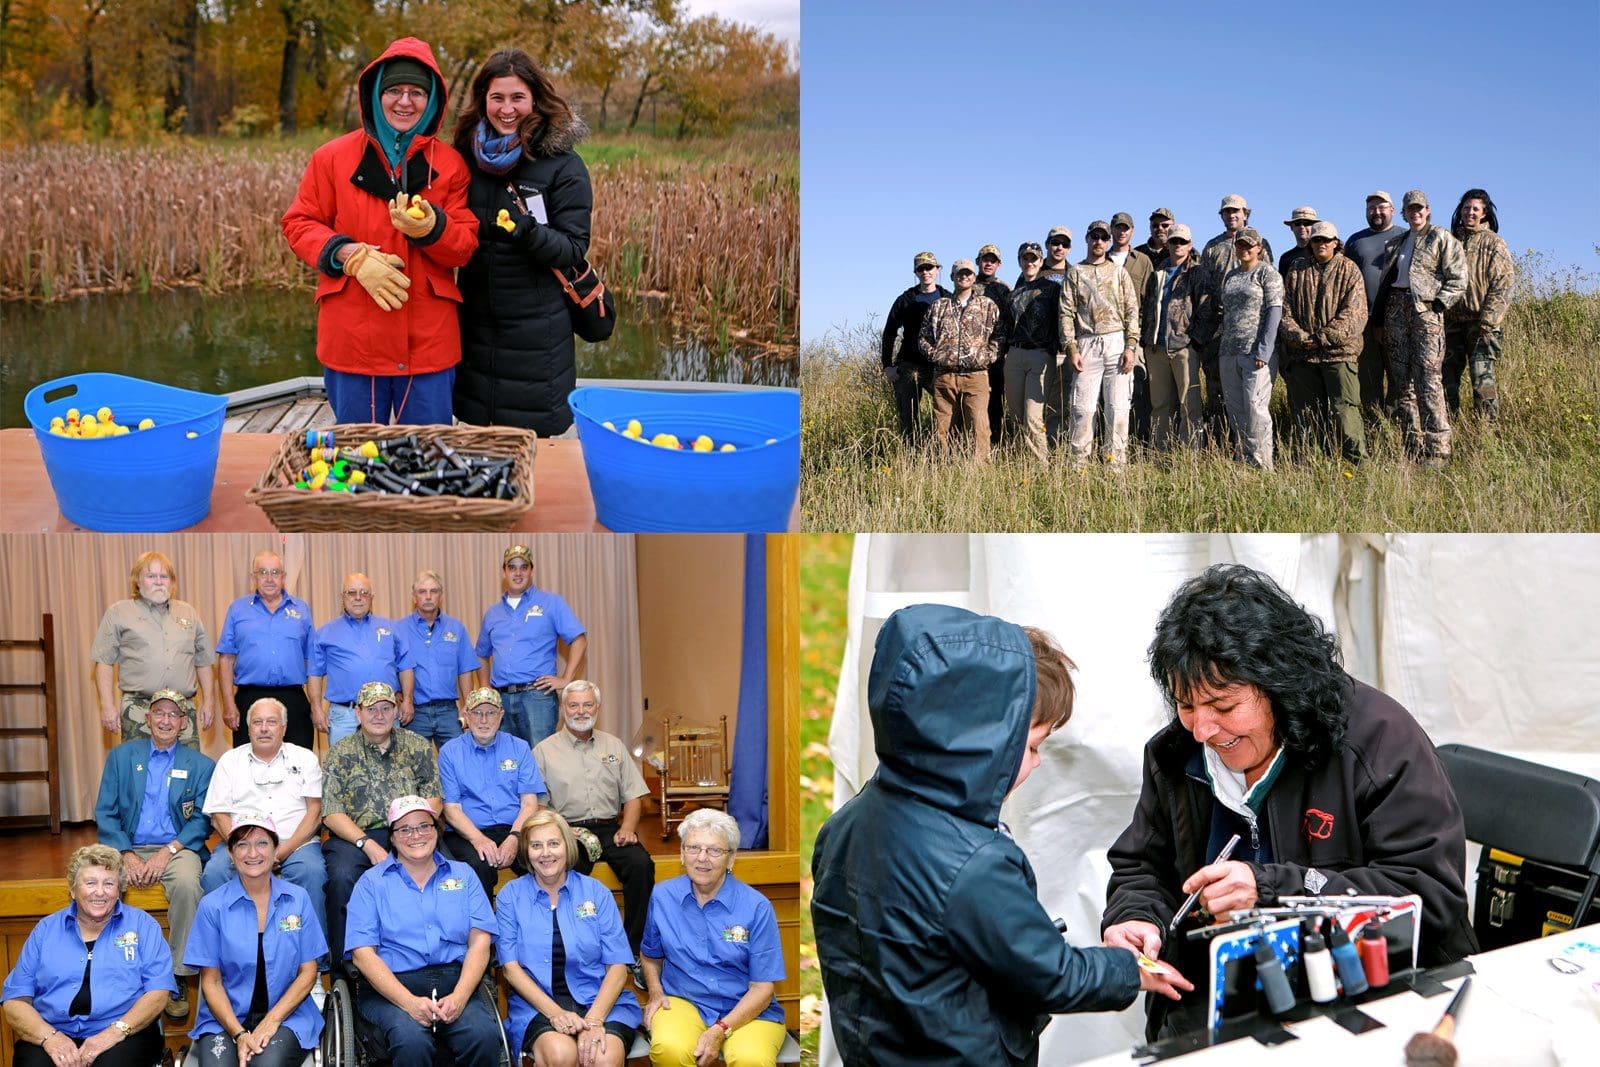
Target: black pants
[(297, 730), (140, 1050), (461, 849), (634, 869), (346, 864)]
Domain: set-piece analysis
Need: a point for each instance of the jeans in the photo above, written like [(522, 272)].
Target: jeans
[(346, 864), (304, 868), (341, 722), (474, 1037), (406, 399), (530, 714), (437, 720), (1101, 382)]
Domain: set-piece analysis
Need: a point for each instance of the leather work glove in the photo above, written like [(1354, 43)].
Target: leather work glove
[(380, 275), (404, 217)]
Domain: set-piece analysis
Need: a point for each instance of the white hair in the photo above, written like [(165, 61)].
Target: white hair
[(710, 820), (578, 685)]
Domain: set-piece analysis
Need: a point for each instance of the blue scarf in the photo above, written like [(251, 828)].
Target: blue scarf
[(395, 145), (496, 154)]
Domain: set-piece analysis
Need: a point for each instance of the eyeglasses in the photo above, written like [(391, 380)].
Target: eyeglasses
[(163, 714), (421, 829), (1059, 241), (988, 259), (268, 572), (405, 94), (358, 594), (715, 852), (483, 712)]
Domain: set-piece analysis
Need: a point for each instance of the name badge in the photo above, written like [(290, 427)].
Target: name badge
[(179, 772)]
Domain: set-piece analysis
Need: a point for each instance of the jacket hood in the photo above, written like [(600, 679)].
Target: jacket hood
[(554, 140), (404, 48), (951, 696)]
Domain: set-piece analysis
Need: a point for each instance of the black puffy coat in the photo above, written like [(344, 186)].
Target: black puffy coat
[(933, 944), (518, 362)]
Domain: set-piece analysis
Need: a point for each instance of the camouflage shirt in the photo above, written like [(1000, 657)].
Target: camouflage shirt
[(1217, 259), (1098, 298), (1324, 310), (962, 338), (1245, 295), (1491, 277), (359, 779), (1438, 267)]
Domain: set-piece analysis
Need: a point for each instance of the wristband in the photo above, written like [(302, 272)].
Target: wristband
[(726, 1029), (516, 834), (241, 1033)]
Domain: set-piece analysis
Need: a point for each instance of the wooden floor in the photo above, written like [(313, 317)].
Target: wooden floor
[(293, 416)]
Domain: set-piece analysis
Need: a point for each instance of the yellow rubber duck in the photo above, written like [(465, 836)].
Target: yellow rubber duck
[(147, 424), (416, 210), (727, 447), (665, 440), (703, 444)]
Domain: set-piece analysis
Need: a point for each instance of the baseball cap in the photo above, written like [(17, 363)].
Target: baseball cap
[(373, 693), (1058, 231), (990, 250), (1097, 224), (925, 259), (1415, 196), (1124, 218), (1247, 235), (1379, 194), (1234, 200), (962, 264), (1324, 228), (1180, 230), (176, 697), (255, 818), (1303, 213), (485, 695), (517, 552), (1030, 248), (400, 807), (1162, 213)]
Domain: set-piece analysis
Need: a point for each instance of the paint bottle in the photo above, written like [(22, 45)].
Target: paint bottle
[(1318, 963), (1347, 962), (1375, 954), (1274, 983)]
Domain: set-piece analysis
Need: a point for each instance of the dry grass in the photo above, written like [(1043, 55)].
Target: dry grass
[(1538, 469), (717, 242)]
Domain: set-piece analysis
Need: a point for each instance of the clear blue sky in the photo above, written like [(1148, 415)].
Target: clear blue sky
[(947, 126)]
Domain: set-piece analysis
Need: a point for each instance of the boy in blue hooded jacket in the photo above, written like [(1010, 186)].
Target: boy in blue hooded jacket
[(933, 944)]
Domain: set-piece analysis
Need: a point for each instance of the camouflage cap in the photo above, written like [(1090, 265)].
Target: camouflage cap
[(1030, 248), (1124, 218), (1415, 196), (587, 841), (1058, 231), (177, 698), (1097, 224), (517, 552), (1324, 228), (924, 259), (1180, 232), (1303, 213), (1379, 194), (400, 807), (990, 250), (484, 695), (962, 264), (373, 693), (1247, 236), (1161, 213), (1233, 200)]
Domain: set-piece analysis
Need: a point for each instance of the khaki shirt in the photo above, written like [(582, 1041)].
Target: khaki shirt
[(360, 780), (153, 648), (588, 779)]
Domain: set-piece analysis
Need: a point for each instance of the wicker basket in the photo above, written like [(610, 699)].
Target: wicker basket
[(299, 510)]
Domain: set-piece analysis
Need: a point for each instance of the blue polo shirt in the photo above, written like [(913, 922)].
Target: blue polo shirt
[(224, 936), (352, 652), (591, 935), (713, 953), (411, 926), (442, 655), (155, 815), (522, 640), (270, 647), (131, 958), (488, 781)]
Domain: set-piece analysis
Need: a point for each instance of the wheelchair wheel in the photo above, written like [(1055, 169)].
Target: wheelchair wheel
[(340, 1046)]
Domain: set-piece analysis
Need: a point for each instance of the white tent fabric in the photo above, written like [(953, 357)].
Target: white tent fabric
[(1488, 640)]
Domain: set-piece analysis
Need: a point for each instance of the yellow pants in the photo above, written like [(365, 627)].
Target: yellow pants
[(676, 1029)]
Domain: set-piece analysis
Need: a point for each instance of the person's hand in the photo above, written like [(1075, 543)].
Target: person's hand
[(548, 683), (1260, 363), (380, 275), (208, 713), (110, 719), (891, 374), (135, 869), (230, 714), (567, 1022), (709, 1048), (399, 215), (1128, 356), (624, 837), (1136, 935), (1077, 362), (1167, 981), (487, 851), (252, 1043), (450, 1006), (420, 1009), (62, 1050), (157, 863), (374, 852), (100, 1044), (591, 1043), (508, 852), (1224, 887), (406, 711), (651, 1006), (319, 715), (1485, 329)]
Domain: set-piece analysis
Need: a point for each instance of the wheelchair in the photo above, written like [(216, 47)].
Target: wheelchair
[(348, 1040)]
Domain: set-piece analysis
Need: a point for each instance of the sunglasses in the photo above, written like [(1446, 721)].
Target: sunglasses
[(1059, 241), (1177, 241), (926, 267), (964, 274), (1099, 235)]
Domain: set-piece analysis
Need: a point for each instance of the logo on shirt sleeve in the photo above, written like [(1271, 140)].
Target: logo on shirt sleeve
[(587, 910), (452, 885), (187, 810), (508, 765), (737, 935), (289, 923)]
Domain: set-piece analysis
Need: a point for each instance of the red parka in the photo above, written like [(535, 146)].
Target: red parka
[(343, 196)]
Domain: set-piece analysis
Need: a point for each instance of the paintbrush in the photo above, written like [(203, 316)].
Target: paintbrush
[(1435, 1049)]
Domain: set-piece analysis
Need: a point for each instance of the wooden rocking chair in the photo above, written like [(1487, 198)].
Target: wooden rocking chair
[(695, 773)]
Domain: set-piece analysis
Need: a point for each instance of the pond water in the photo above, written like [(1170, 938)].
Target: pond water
[(223, 343)]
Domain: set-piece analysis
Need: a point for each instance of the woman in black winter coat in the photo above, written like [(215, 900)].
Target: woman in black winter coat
[(517, 355)]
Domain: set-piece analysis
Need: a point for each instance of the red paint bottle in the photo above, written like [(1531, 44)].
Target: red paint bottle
[(1374, 949)]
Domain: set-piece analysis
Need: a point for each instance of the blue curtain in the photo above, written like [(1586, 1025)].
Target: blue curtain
[(747, 787)]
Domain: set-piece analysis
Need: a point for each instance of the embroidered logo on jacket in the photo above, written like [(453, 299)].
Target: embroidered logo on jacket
[(1317, 825)]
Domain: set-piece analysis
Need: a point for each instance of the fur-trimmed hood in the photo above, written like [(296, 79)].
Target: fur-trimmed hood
[(551, 141)]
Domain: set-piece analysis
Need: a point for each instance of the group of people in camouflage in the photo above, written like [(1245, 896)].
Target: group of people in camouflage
[(1386, 321)]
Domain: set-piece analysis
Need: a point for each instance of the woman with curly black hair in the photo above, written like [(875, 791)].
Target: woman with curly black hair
[(1331, 786)]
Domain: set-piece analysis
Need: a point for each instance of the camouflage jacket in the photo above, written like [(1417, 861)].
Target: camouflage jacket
[(1438, 268), (1183, 306), (1217, 259), (359, 780), (1034, 323), (1098, 298), (1246, 294), (1324, 311), (1491, 277), (961, 338)]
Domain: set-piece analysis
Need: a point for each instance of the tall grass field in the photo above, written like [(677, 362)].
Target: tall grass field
[(712, 235), (1537, 468)]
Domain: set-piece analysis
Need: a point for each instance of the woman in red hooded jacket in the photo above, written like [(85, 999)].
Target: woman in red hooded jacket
[(381, 213)]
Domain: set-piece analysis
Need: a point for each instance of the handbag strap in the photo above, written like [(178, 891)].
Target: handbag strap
[(583, 302)]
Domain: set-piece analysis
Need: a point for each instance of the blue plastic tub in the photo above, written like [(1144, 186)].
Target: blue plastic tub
[(145, 481), (638, 487)]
